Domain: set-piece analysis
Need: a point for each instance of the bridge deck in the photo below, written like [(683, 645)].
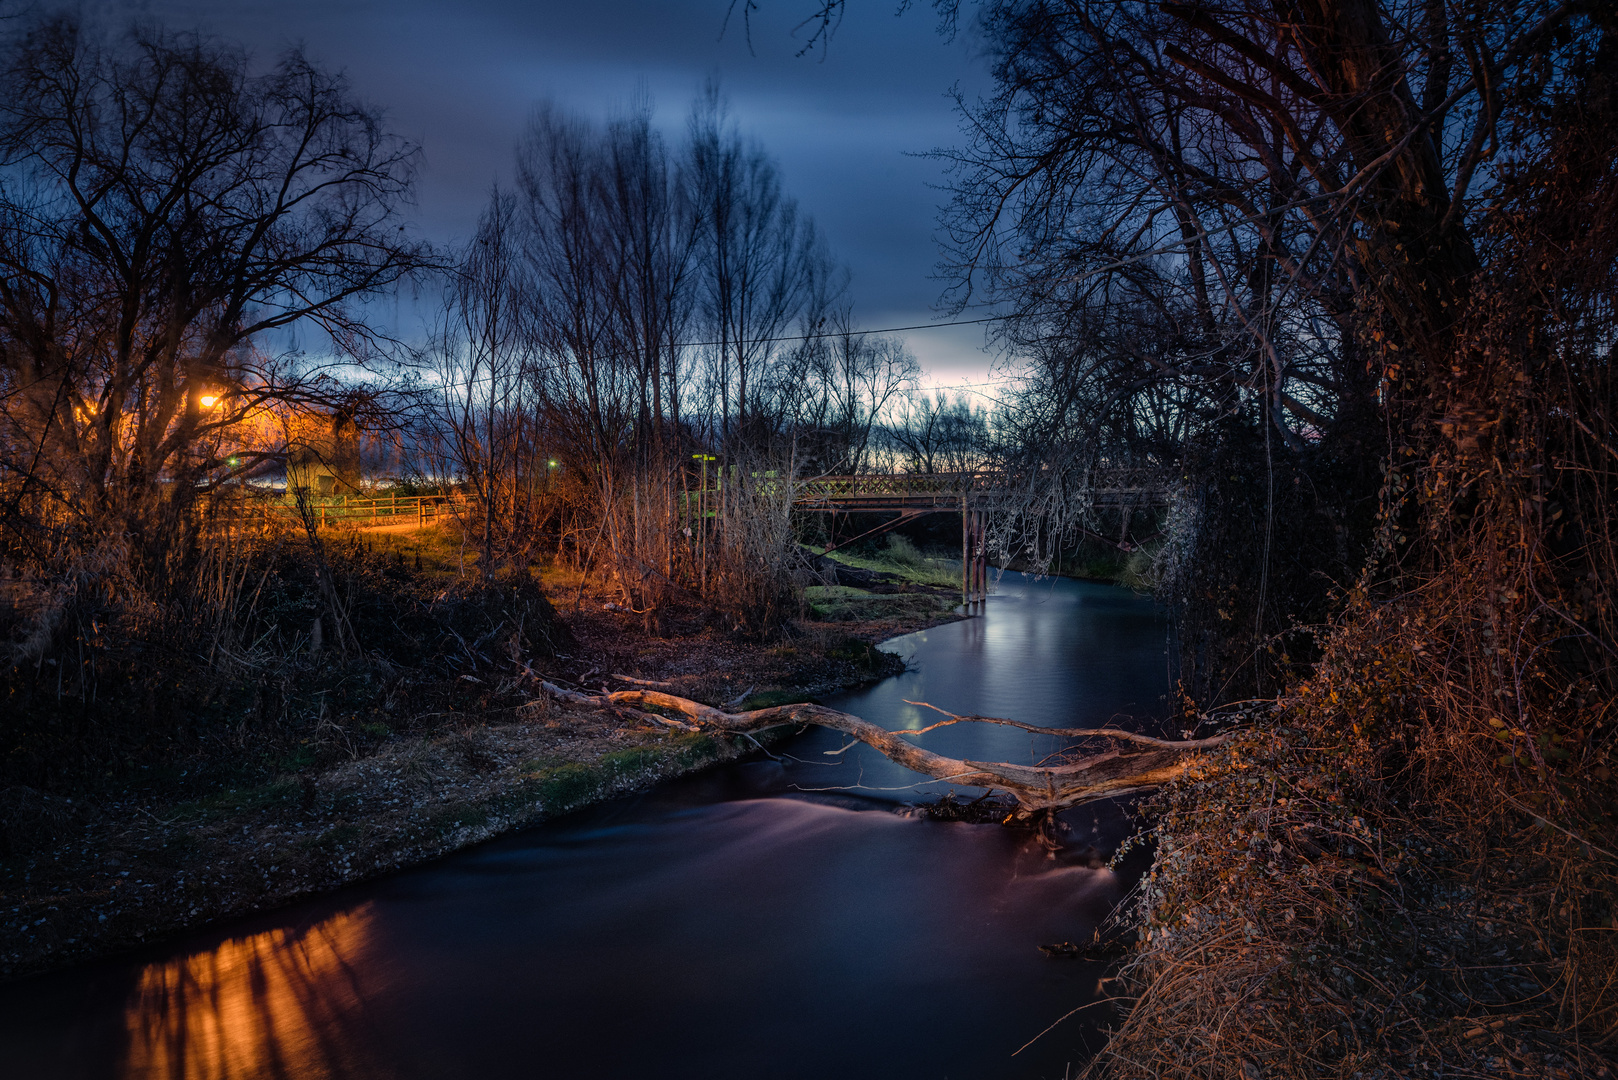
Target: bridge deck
[(942, 491)]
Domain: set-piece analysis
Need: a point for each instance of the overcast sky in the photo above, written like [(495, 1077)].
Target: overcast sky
[(460, 76)]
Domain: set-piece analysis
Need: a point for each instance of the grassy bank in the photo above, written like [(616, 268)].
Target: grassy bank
[(897, 584), (897, 557)]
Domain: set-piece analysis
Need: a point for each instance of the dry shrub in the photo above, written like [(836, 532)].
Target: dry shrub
[(756, 570), (40, 603), (667, 534), (1330, 898), (221, 668)]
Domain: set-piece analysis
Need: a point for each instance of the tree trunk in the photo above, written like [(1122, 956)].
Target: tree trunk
[(1035, 787)]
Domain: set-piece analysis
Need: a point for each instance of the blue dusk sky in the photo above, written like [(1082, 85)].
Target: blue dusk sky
[(461, 77)]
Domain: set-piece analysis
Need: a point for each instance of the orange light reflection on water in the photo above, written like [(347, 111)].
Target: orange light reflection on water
[(280, 1003)]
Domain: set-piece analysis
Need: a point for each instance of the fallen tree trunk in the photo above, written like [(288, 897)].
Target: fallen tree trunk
[(1035, 787)]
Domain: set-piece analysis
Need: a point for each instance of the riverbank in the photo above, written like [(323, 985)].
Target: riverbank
[(145, 869), (420, 768)]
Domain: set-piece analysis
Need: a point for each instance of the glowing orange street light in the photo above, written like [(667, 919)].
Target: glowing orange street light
[(208, 401)]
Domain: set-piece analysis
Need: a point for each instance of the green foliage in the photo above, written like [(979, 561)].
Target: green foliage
[(865, 656), (1093, 562), (901, 552), (633, 759), (899, 557), (695, 748), (844, 603), (560, 785), (565, 785), (232, 802)]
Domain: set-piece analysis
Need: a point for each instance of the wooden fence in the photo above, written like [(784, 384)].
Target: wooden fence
[(334, 511)]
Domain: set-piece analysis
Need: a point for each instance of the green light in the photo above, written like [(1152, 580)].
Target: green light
[(553, 463), (233, 461)]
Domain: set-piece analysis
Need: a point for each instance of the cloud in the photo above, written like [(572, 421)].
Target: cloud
[(460, 77)]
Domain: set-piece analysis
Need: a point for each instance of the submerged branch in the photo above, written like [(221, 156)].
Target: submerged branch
[(1035, 787)]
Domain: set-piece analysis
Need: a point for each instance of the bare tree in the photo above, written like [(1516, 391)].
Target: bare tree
[(852, 382), (937, 433), (759, 258), (483, 368), (629, 252), (162, 213)]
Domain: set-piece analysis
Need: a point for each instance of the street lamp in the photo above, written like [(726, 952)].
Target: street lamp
[(702, 517), (703, 491)]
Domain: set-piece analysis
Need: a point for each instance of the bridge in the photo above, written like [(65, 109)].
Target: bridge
[(971, 494), (948, 491)]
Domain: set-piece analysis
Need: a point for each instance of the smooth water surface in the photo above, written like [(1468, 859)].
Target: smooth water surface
[(732, 924)]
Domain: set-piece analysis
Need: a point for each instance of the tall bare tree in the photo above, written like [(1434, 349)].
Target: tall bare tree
[(760, 260), (851, 383), (483, 363), (163, 213)]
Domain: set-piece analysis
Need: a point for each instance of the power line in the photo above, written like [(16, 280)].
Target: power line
[(771, 340), (840, 333)]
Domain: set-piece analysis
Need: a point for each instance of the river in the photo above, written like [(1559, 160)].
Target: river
[(766, 919)]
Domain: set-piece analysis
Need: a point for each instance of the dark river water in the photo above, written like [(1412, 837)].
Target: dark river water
[(763, 920)]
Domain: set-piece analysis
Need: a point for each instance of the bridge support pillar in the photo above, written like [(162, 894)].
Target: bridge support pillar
[(980, 564), (974, 556), (966, 554)]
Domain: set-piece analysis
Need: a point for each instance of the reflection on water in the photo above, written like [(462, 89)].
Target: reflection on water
[(1052, 653), (279, 1003)]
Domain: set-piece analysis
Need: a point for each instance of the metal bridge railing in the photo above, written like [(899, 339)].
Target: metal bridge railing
[(880, 486)]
